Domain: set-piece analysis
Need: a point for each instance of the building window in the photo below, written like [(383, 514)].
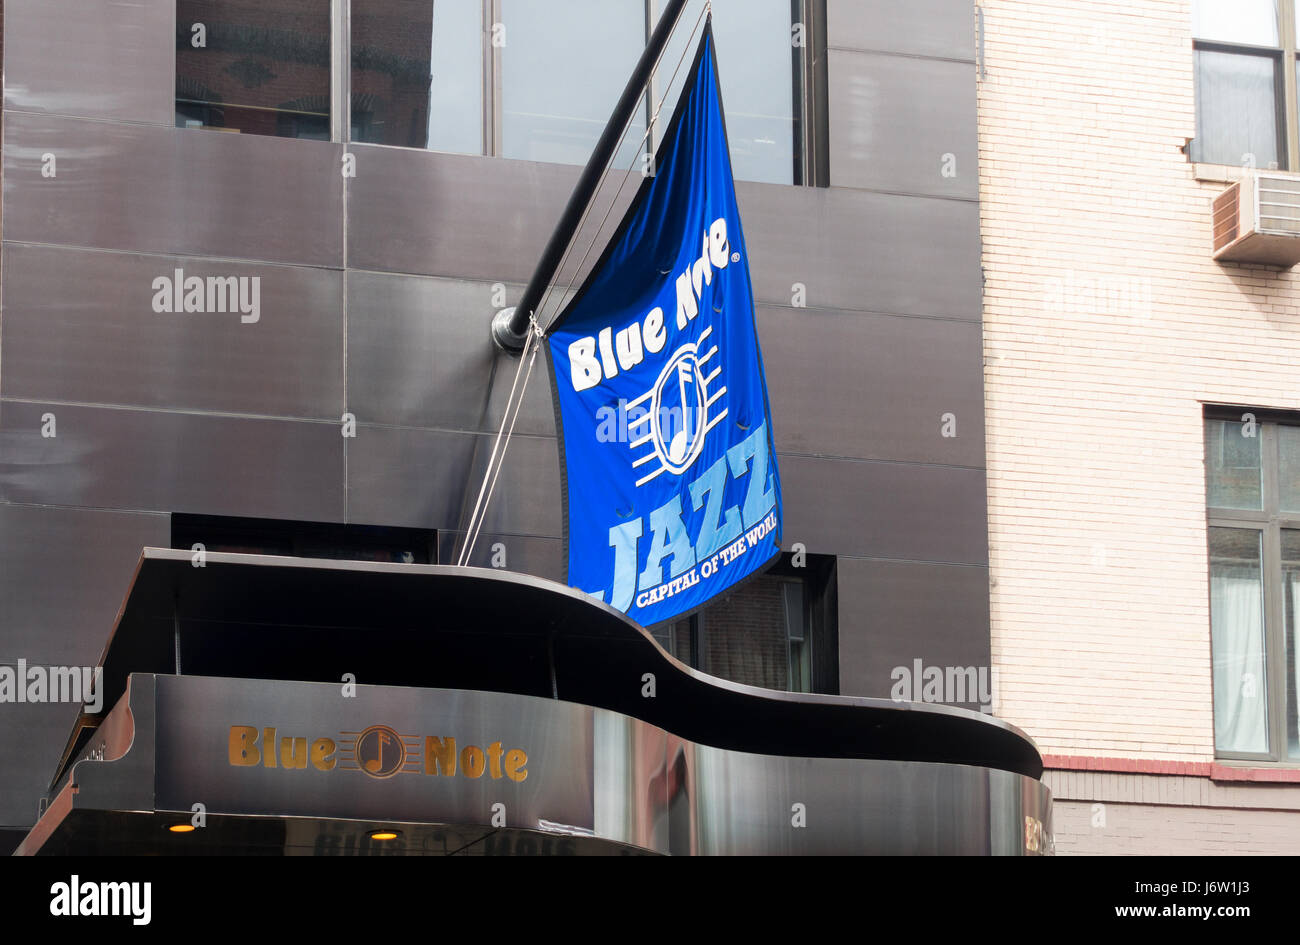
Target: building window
[(1245, 66), (563, 66), (507, 78), (1253, 489), (418, 65), (776, 630), (258, 67), (532, 81), (305, 539)]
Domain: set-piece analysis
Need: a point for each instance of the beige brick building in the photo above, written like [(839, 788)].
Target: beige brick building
[(1108, 328)]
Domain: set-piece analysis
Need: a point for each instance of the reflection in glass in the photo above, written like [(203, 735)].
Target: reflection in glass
[(759, 634), (746, 636), (797, 633), (678, 638), (1288, 474), (1232, 464), (756, 60), (563, 66), (417, 74), (1237, 632), (1236, 109), (259, 67), (1236, 21), (1291, 623)]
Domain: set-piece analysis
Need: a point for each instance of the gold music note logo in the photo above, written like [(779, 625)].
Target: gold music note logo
[(376, 764)]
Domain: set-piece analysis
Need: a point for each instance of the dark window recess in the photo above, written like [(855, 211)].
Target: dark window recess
[(777, 630), (305, 539), (258, 67)]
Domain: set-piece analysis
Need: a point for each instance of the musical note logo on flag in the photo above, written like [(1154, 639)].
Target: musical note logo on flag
[(670, 480)]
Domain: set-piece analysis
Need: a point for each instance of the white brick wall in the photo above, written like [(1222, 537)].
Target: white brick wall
[(1100, 617)]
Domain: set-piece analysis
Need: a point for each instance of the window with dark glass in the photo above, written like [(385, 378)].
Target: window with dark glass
[(1244, 55), (777, 630), (537, 81), (509, 78), (417, 74), (1253, 493), (258, 67), (305, 539)]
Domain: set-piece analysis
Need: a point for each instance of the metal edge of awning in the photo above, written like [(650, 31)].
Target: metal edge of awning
[(600, 783), (386, 608)]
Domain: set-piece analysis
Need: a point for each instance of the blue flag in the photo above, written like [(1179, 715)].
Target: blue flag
[(671, 487)]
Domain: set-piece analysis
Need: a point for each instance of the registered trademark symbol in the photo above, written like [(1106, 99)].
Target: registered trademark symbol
[(735, 257)]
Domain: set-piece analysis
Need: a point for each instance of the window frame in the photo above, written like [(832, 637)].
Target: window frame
[(280, 111), (808, 63), (811, 152), (1269, 520), (302, 539), (817, 576), (1285, 80)]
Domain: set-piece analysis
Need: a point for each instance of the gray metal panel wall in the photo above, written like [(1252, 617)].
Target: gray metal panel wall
[(95, 338), (874, 106), (416, 356), (908, 611), (849, 248), (109, 59), (902, 119), (170, 461), (63, 574), (940, 29), (907, 511), (430, 478), (167, 190), (61, 571), (894, 380), (376, 296)]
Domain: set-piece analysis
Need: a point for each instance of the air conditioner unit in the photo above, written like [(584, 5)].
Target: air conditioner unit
[(1257, 220)]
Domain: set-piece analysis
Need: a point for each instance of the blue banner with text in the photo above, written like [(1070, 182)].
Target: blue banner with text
[(671, 485)]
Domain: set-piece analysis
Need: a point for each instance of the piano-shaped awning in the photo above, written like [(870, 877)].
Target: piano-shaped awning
[(306, 703)]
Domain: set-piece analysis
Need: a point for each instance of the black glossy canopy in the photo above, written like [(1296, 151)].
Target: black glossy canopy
[(265, 617)]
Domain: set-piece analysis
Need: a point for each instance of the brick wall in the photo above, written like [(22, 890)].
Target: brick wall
[(1144, 829), (1097, 812), (1106, 324)]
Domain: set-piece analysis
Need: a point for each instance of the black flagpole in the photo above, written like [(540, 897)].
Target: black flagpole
[(509, 327)]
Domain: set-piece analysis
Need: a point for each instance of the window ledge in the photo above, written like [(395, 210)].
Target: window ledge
[(1227, 173), (1228, 772), (1214, 770)]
